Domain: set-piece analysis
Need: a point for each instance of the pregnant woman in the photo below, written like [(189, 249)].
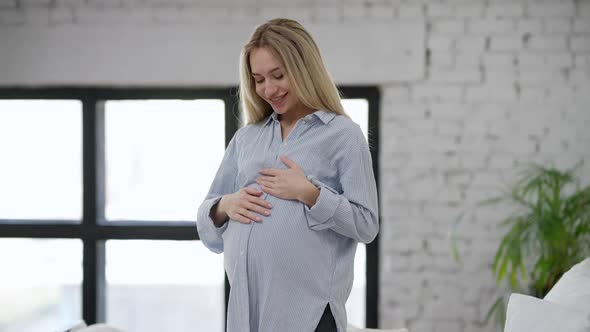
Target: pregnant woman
[(294, 194)]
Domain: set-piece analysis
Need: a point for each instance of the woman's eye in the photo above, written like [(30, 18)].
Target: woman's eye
[(259, 82), (279, 77)]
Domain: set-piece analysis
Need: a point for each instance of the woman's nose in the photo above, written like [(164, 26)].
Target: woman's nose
[(270, 90)]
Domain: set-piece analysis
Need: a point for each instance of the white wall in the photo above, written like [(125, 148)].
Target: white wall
[(471, 89)]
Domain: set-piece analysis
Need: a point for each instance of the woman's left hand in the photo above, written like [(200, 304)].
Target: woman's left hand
[(288, 183)]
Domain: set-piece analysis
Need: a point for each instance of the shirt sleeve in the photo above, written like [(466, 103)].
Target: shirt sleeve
[(353, 212), (223, 184)]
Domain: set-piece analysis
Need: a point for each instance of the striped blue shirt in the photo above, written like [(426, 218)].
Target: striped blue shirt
[(284, 270)]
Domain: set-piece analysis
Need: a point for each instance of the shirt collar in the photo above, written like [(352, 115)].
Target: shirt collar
[(324, 116)]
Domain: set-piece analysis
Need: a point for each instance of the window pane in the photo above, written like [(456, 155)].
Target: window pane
[(358, 109), (40, 284), (41, 152), (161, 156), (155, 286), (355, 306)]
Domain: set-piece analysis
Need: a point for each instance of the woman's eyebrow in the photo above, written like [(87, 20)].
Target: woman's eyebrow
[(270, 71)]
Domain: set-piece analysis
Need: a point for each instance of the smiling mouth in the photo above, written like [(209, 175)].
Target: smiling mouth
[(277, 100)]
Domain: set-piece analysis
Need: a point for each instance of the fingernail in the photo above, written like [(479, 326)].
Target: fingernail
[(266, 212), (257, 218), (270, 205)]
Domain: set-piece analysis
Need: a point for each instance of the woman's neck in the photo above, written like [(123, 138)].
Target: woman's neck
[(291, 117)]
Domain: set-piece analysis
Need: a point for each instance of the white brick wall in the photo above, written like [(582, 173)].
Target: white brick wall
[(504, 83)]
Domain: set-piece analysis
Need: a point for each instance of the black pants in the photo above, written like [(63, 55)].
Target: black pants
[(327, 322)]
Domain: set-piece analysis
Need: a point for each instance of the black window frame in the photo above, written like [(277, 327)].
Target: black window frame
[(94, 230)]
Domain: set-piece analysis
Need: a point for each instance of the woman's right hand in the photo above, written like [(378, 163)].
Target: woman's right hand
[(244, 205)]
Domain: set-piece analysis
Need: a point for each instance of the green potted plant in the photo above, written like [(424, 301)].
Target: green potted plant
[(547, 233)]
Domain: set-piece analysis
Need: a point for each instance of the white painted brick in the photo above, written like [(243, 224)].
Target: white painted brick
[(527, 125), (437, 10), (531, 61), (269, 12), (11, 17), (491, 26), (581, 78), (217, 14), (4, 4), (157, 3), (504, 9), (542, 78), (171, 16), (59, 16), (546, 43), (505, 43), (396, 93), (70, 3), (105, 3), (469, 9), (407, 112), (450, 129), (407, 244), (558, 60), (107, 16), (472, 43), (262, 3), (500, 76), (528, 93), (448, 110), (243, 14), (490, 92), (421, 92), (448, 26), (328, 2), (560, 93), (441, 310), (35, 3), (512, 144), (489, 179), (473, 160), (531, 26), (464, 75), (353, 12), (581, 25), (441, 58), (562, 8), (402, 263), (580, 44), (582, 61), (439, 43), (583, 9), (326, 14), (302, 14), (498, 60), (410, 11), (467, 59), (35, 16), (557, 25), (381, 12)]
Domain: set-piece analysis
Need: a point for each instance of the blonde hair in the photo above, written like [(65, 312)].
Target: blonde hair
[(295, 48)]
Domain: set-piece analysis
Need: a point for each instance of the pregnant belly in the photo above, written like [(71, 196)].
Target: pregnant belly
[(284, 241)]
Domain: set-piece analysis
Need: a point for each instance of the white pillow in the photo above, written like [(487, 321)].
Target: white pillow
[(527, 313), (573, 289), (352, 329), (100, 328)]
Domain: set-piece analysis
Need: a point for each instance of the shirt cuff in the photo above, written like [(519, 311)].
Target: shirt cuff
[(321, 213), (208, 226)]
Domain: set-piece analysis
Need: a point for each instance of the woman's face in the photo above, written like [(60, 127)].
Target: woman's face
[(271, 81)]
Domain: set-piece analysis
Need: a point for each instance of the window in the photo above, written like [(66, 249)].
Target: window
[(99, 195)]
